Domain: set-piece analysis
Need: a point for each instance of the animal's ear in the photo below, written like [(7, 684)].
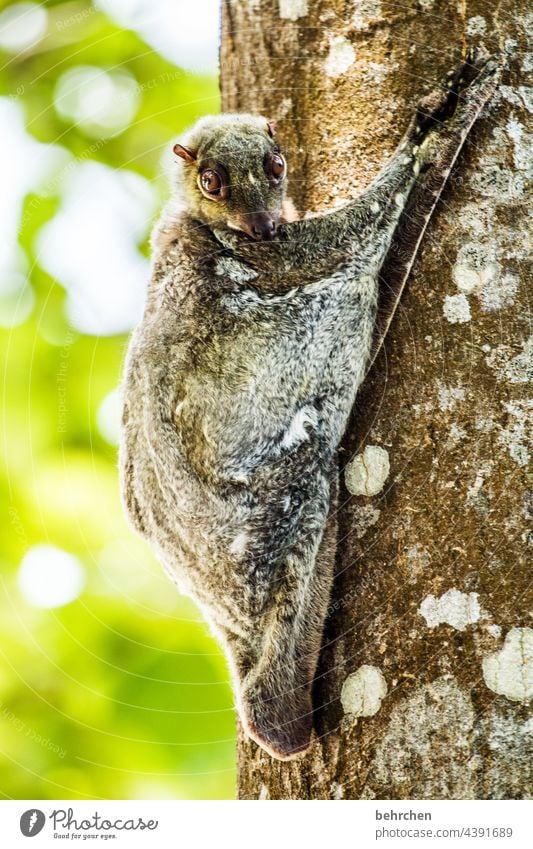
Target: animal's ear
[(271, 128), (186, 153)]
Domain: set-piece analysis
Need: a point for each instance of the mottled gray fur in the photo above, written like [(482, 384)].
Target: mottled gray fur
[(238, 386)]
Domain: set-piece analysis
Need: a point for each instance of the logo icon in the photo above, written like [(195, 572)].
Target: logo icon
[(32, 822)]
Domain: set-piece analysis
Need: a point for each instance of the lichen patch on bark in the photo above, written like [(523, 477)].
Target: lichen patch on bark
[(456, 309), (340, 58), (367, 472), (428, 733), (291, 10), (363, 691), (509, 672), (453, 608)]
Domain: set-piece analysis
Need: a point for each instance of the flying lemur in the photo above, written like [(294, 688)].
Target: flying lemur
[(241, 376)]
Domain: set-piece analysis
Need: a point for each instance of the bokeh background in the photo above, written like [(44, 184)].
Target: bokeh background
[(111, 685)]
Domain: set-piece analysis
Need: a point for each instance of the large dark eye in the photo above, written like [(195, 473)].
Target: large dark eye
[(214, 182), (276, 167), (210, 182)]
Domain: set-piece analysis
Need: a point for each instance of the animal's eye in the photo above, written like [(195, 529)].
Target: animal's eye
[(278, 165), (214, 182), (211, 182)]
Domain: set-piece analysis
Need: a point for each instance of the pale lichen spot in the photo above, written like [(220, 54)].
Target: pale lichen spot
[(263, 792), (367, 472), (525, 93), (368, 12), (453, 608), (375, 207), (416, 168), (527, 62), (422, 409), (417, 559), (251, 179), (341, 56), (497, 182), (456, 309), (507, 92), (484, 425), (456, 435), (363, 691), (419, 731), (517, 369), (476, 25), (375, 72), (337, 790), (500, 293), (516, 437), (478, 271), (475, 218), (522, 143), (291, 10), (510, 46), (449, 396), (476, 496), (475, 267), (399, 199), (365, 517), (509, 672)]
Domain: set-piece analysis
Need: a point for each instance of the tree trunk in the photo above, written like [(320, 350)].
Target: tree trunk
[(427, 661)]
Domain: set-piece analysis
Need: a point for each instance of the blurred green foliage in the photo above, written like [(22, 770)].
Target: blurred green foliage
[(122, 693)]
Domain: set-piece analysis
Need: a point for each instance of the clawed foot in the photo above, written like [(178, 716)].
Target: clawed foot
[(475, 80)]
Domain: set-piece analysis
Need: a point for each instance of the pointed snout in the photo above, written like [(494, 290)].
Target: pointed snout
[(261, 226)]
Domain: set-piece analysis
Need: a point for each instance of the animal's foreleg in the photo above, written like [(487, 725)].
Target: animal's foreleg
[(443, 147), (366, 226)]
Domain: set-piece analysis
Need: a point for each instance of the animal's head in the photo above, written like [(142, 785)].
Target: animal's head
[(233, 174)]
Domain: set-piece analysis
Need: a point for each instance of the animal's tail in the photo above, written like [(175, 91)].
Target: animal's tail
[(274, 675)]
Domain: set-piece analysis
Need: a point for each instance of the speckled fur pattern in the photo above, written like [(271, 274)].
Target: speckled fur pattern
[(238, 386)]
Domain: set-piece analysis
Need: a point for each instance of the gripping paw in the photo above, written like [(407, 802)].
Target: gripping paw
[(470, 85)]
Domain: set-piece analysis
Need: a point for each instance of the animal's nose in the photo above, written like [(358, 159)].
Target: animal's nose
[(264, 228)]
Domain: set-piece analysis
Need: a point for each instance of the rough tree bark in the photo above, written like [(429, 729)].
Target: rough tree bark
[(427, 660)]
